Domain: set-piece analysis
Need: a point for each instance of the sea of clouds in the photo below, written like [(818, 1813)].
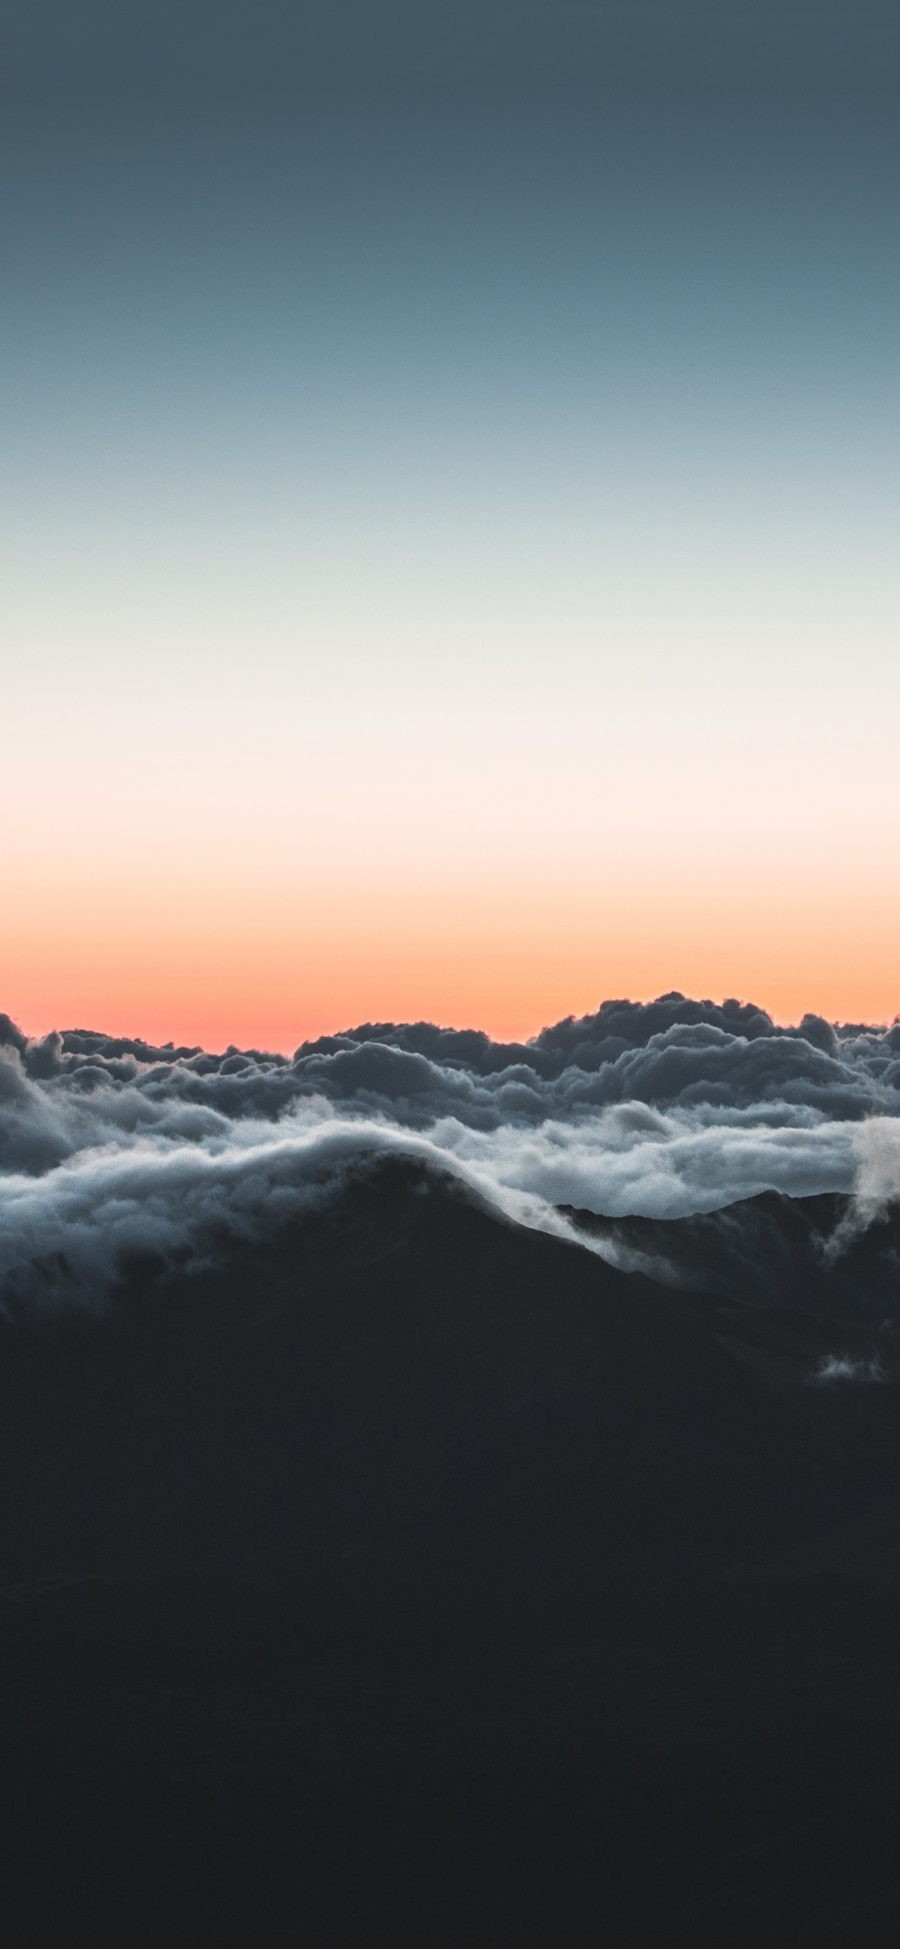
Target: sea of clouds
[(110, 1146)]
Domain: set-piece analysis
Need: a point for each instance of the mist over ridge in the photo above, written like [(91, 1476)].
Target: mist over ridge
[(111, 1146)]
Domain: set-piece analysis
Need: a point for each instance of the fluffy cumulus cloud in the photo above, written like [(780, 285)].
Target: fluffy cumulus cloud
[(110, 1146)]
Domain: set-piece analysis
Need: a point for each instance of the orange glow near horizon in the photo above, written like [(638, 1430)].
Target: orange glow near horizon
[(254, 981), (296, 839)]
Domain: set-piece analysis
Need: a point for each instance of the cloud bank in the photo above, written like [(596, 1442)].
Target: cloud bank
[(109, 1146)]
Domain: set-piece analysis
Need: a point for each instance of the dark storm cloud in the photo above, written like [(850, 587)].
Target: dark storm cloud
[(109, 1144)]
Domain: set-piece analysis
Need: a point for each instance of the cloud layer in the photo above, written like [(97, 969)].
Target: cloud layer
[(110, 1146)]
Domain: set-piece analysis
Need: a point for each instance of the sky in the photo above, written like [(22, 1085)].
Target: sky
[(449, 511)]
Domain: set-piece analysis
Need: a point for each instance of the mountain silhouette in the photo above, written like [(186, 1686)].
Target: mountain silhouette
[(411, 1574)]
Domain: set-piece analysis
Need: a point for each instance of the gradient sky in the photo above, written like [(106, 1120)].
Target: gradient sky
[(450, 510)]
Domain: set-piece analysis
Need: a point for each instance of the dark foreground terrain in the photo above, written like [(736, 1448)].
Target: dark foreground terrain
[(414, 1577)]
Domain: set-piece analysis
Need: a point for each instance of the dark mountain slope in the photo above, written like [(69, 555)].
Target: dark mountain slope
[(803, 1253), (410, 1573)]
